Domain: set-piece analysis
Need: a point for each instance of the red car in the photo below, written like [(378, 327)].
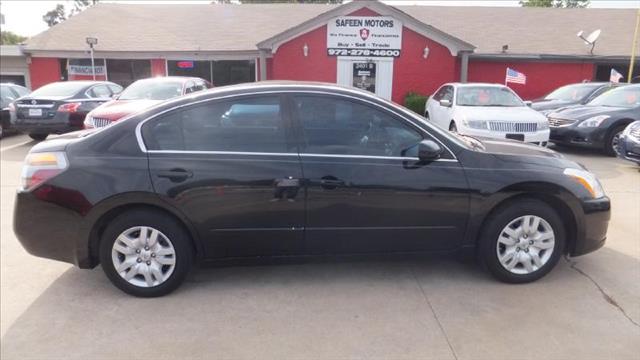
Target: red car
[(141, 95)]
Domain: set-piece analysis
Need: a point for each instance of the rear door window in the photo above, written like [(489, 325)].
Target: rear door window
[(253, 124)]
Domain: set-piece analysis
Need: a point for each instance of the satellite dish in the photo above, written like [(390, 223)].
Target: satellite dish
[(591, 39)]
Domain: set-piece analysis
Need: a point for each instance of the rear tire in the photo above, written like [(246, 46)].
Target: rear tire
[(146, 253), (515, 252), (38, 137), (611, 141)]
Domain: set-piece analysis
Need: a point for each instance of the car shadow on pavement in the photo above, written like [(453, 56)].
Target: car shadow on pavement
[(372, 309)]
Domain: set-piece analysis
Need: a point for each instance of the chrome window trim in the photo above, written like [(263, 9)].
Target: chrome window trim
[(143, 147), (212, 152)]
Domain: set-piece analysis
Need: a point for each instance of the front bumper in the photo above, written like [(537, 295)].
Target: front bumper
[(589, 137), (592, 227), (538, 137), (629, 148), (48, 230)]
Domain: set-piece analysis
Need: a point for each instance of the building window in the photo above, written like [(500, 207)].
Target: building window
[(200, 69), (229, 72), (124, 72), (219, 73), (78, 69)]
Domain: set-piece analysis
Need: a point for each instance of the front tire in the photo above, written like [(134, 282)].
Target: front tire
[(38, 137), (612, 140), (146, 253), (522, 241)]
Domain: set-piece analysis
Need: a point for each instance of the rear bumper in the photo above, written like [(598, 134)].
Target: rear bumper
[(576, 136), (51, 231), (59, 124), (592, 229)]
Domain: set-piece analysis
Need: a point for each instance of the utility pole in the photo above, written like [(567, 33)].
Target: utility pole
[(633, 47)]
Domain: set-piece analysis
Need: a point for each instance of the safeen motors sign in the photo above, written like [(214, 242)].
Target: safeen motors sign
[(368, 36)]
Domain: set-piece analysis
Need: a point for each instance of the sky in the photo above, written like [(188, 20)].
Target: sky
[(25, 17)]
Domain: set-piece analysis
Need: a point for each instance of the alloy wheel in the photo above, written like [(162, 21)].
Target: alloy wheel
[(615, 142), (525, 245), (143, 256)]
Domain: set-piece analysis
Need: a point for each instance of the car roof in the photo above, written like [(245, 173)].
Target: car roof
[(473, 84)]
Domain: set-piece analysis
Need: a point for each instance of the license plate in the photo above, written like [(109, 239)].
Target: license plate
[(35, 112), (515, 137)]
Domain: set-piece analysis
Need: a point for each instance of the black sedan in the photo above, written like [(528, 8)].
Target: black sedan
[(59, 107), (8, 94), (629, 145), (288, 169), (599, 123), (573, 94)]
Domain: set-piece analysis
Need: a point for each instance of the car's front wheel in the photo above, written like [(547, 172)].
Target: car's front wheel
[(612, 141), (522, 241), (146, 253)]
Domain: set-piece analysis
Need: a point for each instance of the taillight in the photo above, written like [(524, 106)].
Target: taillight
[(69, 107), (40, 167)]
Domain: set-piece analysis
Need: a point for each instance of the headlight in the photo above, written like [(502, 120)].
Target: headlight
[(594, 121), (544, 125), (587, 180), (476, 124), (88, 122)]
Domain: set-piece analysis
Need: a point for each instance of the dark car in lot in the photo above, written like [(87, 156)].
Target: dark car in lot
[(629, 144), (142, 94), (283, 169), (8, 94), (599, 123), (573, 94), (59, 107)]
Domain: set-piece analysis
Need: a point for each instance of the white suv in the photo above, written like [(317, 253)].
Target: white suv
[(486, 110)]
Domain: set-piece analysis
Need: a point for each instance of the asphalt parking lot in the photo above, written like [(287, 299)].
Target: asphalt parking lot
[(587, 308)]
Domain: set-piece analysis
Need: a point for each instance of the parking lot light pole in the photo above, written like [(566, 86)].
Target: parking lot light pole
[(91, 41)]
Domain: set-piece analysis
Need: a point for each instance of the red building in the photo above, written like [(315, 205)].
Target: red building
[(386, 49)]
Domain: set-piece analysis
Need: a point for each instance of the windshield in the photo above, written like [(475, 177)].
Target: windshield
[(575, 92), (628, 97), (60, 89), (152, 90), (487, 96)]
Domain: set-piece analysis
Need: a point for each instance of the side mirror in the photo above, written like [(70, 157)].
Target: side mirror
[(429, 150), (445, 103), (528, 103)]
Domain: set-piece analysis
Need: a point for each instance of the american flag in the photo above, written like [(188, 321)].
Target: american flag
[(515, 77), (615, 76)]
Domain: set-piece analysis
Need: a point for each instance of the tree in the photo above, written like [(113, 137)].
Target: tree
[(80, 5), (55, 16), (59, 14), (9, 38), (555, 3)]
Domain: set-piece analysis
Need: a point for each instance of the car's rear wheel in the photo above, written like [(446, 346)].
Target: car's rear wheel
[(522, 241), (38, 137), (612, 141), (146, 253)]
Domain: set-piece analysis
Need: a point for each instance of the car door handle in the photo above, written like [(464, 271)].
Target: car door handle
[(175, 175), (330, 182)]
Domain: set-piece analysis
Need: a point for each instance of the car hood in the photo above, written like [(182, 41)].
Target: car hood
[(519, 152), (116, 109), (583, 112), (551, 104), (501, 113)]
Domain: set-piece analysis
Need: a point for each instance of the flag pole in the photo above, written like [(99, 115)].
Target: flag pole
[(633, 47), (505, 76)]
